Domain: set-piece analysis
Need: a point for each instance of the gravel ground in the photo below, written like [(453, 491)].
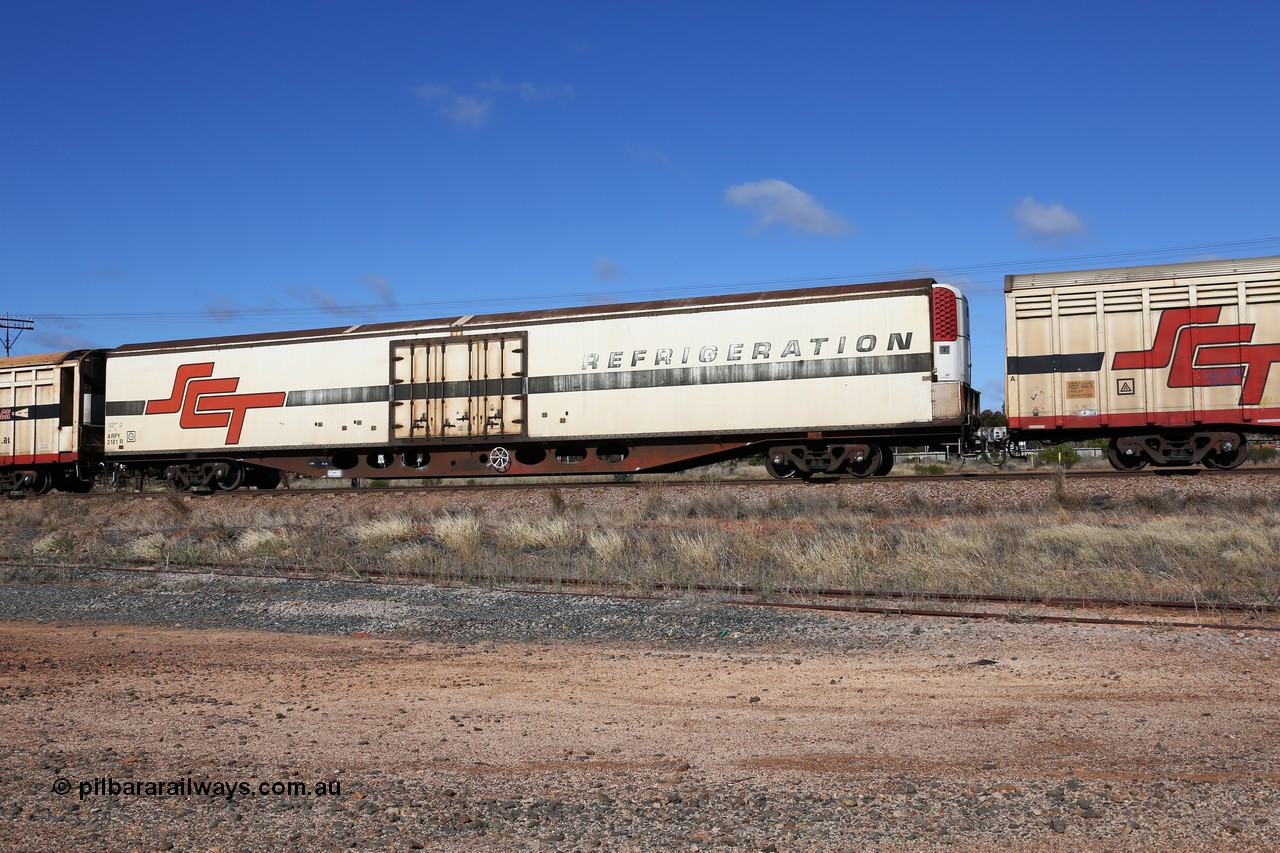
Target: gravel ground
[(426, 612), (458, 719)]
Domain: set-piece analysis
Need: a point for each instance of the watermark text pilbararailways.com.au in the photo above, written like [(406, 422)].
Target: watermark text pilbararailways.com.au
[(191, 786)]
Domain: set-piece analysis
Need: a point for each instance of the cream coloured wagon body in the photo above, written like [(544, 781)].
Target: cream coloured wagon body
[(621, 388)]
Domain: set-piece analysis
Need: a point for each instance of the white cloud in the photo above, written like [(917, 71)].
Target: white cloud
[(607, 270), (1046, 221), (467, 110), (778, 201), (647, 154), (432, 92), (474, 108), (528, 91)]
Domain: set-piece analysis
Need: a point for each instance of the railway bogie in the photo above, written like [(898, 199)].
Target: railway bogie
[(1222, 450), (859, 459)]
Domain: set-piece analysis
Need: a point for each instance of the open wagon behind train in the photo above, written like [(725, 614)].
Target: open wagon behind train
[(1172, 363), (821, 380)]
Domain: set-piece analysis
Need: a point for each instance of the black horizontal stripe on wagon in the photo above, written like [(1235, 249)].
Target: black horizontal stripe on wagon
[(416, 391), (41, 412), (1080, 362), (718, 374)]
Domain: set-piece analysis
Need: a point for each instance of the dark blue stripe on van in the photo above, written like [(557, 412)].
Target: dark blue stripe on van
[(1083, 362)]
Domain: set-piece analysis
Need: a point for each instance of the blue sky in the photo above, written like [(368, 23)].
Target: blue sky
[(180, 169)]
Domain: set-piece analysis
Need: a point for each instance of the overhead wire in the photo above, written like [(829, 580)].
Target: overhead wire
[(344, 313)]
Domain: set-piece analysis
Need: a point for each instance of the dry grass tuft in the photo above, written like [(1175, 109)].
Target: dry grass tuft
[(154, 547), (383, 531), (260, 542), (548, 533), (55, 544), (695, 553), (609, 546), (462, 534)]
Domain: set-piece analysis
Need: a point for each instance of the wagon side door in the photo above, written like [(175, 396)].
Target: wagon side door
[(458, 387), (29, 413)]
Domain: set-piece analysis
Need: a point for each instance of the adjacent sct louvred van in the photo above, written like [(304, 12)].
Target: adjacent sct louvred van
[(1172, 363)]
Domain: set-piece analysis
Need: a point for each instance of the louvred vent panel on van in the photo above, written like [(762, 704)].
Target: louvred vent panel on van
[(945, 325)]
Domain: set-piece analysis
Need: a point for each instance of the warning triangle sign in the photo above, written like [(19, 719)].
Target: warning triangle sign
[(1125, 386)]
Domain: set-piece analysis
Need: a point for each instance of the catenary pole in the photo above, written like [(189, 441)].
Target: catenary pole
[(10, 324)]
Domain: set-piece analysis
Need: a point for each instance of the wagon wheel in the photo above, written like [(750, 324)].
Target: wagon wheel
[(500, 459), (39, 483), (228, 476), (870, 463), (175, 481), (886, 463), (1125, 461), (1227, 459), (780, 467)]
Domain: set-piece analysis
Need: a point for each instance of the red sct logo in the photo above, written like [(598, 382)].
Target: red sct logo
[(204, 403), (1199, 354)]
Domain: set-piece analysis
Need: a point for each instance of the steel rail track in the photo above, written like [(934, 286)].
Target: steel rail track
[(595, 589), (973, 477)]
